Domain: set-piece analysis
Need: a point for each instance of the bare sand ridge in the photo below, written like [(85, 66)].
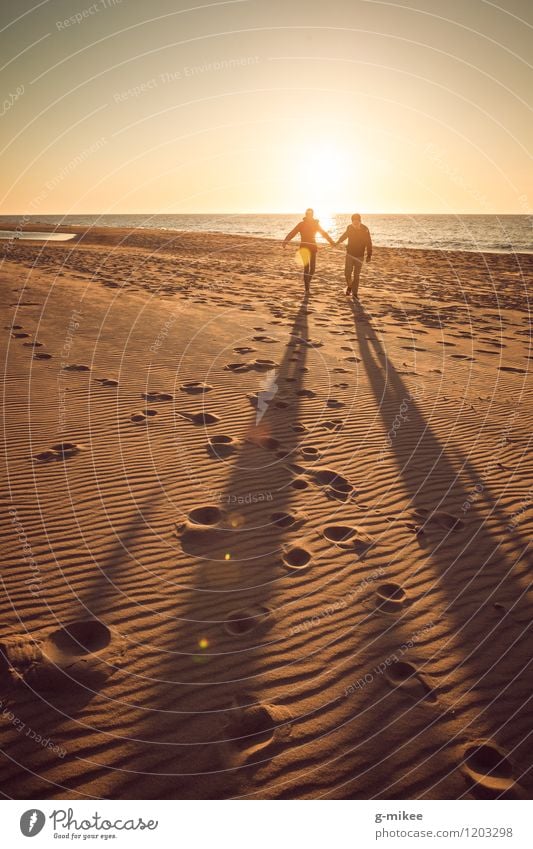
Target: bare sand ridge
[(262, 546)]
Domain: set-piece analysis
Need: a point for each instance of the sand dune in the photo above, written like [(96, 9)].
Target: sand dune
[(261, 546)]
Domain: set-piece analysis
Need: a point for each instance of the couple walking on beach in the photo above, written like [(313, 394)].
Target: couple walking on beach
[(359, 244)]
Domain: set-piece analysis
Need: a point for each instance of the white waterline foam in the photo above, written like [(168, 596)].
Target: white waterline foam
[(41, 237)]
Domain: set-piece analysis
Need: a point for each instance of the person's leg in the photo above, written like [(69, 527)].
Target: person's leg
[(307, 276), (348, 267), (357, 265), (309, 269), (312, 265)]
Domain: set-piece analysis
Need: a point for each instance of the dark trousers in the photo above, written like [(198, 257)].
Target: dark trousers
[(352, 272), (310, 265)]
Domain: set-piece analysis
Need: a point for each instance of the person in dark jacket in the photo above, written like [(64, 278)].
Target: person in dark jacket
[(359, 243), (307, 229)]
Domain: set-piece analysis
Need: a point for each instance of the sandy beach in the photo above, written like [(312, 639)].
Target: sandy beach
[(292, 535)]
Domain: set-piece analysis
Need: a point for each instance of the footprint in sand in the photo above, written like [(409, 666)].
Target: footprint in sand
[(306, 393), (107, 381), (40, 355), (309, 452), (143, 416), (488, 768), (236, 367), (220, 447), (390, 597), (511, 369), (353, 359), (77, 640), (334, 485), (208, 514), (154, 396), (348, 538), (267, 339), (296, 557), (242, 622), (84, 651), (32, 344), (340, 370), (299, 428), (406, 677), (299, 483), (76, 367), (195, 387), (252, 727), (12, 326), (270, 443), (200, 418), (263, 365), (20, 335), (59, 451), (437, 518), (332, 424), (246, 349), (288, 520), (334, 404)]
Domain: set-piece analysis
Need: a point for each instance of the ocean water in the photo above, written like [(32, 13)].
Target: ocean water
[(494, 233)]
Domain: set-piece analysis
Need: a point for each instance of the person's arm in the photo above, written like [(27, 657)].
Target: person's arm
[(368, 246), (326, 236), (291, 235), (342, 238)]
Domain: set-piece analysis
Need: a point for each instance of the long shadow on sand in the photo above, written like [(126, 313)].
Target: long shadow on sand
[(463, 548), (206, 720)]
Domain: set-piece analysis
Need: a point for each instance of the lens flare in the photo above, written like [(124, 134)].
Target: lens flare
[(236, 520), (302, 257)]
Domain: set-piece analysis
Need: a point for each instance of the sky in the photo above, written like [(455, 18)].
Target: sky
[(254, 106)]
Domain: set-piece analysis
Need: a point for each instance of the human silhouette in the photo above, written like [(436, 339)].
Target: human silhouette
[(359, 242), (307, 229)]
